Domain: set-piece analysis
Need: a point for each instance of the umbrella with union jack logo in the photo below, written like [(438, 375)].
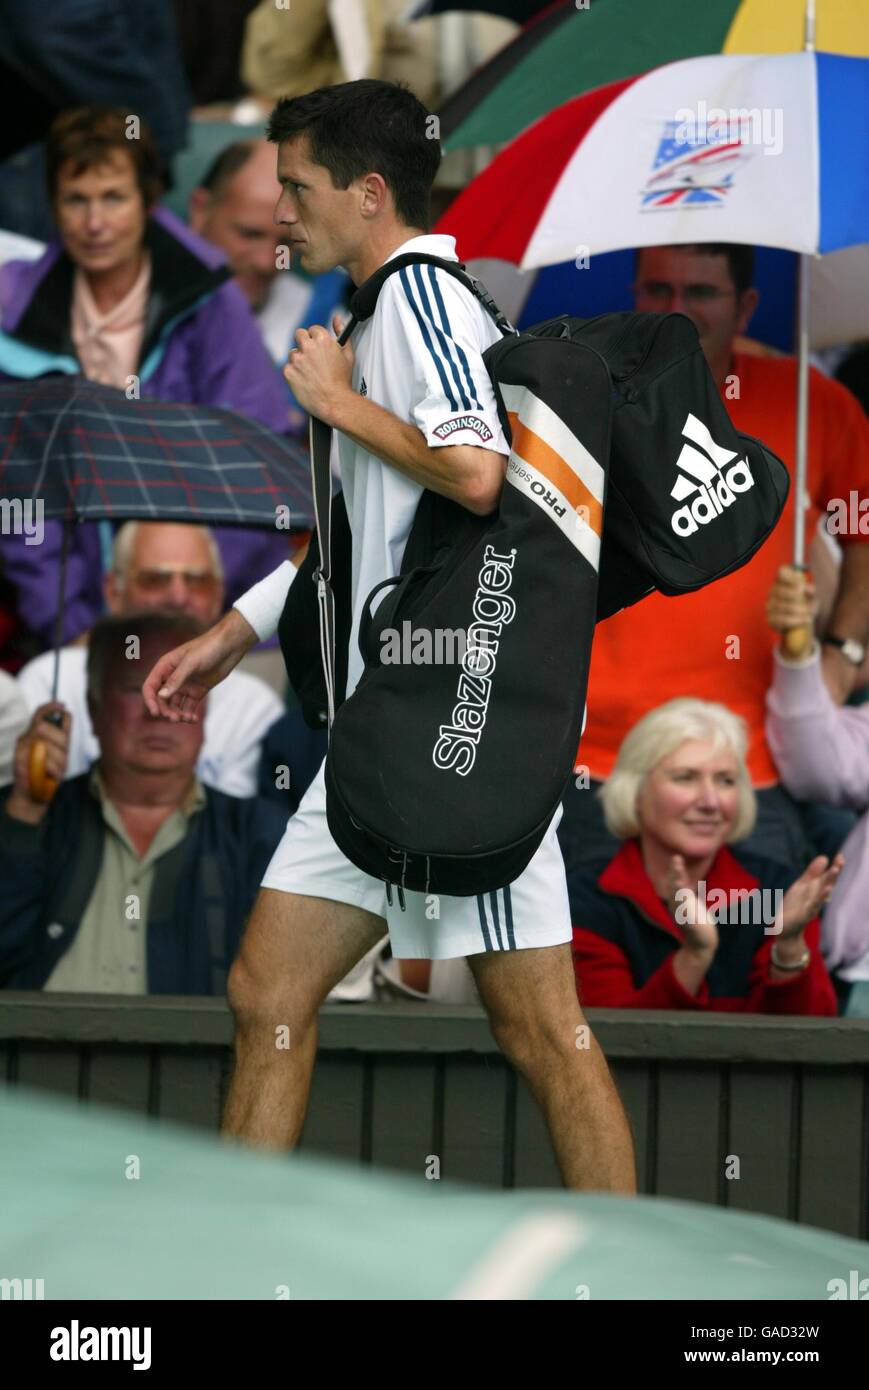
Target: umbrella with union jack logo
[(766, 150), (719, 148)]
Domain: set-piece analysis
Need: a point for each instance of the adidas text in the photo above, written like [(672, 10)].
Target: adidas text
[(715, 477)]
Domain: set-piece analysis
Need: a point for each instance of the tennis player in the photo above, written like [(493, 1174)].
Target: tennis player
[(411, 407)]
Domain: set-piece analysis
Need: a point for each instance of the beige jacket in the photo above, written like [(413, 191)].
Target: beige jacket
[(290, 51)]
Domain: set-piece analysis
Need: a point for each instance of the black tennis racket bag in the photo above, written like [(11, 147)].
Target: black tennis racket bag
[(690, 498), (443, 776), (446, 765)]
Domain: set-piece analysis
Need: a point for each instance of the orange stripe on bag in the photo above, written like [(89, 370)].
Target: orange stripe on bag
[(544, 458)]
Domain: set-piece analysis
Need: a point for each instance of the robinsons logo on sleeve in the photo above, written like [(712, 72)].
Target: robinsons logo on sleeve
[(463, 422)]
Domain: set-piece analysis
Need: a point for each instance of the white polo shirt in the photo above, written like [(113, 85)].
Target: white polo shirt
[(419, 356)]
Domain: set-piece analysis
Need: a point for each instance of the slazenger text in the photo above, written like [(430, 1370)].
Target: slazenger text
[(493, 608)]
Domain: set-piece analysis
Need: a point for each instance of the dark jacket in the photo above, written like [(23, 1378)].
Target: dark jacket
[(289, 743), (54, 54), (624, 940), (202, 892)]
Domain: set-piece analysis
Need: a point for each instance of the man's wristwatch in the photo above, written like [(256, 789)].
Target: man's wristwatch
[(851, 649)]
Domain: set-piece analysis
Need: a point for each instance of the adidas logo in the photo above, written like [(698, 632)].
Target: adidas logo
[(712, 476), (363, 389)]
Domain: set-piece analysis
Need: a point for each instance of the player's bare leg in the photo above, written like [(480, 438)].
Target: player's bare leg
[(294, 950), (530, 998)]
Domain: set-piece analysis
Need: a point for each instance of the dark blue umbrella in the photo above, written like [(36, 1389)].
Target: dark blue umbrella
[(84, 452)]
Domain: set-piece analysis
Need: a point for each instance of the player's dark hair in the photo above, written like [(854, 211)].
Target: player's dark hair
[(369, 126), (740, 260)]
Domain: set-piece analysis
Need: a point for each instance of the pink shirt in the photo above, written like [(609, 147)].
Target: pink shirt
[(108, 345), (822, 752)]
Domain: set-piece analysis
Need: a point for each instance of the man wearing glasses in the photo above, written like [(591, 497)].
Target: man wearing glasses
[(176, 568), (716, 644), (713, 290)]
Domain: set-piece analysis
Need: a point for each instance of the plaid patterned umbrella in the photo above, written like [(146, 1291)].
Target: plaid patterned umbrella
[(86, 452)]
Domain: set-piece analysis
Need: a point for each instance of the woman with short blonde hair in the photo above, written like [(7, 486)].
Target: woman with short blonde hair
[(676, 919), (660, 733)]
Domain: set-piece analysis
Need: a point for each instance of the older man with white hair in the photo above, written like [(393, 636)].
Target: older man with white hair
[(174, 567)]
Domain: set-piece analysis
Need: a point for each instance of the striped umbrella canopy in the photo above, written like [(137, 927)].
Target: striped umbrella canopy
[(762, 150), (567, 50)]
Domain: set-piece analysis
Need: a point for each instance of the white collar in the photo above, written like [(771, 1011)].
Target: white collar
[(431, 243)]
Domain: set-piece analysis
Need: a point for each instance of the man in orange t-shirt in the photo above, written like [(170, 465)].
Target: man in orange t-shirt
[(716, 643)]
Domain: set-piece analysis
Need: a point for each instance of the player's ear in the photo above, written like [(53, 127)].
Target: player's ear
[(375, 195)]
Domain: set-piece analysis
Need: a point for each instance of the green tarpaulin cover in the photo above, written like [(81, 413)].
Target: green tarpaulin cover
[(101, 1205)]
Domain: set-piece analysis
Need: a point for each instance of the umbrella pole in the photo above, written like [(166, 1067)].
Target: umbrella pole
[(802, 432), (794, 640), (61, 588), (42, 784)]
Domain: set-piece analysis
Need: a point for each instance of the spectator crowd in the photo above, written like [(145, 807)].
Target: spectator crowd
[(716, 829)]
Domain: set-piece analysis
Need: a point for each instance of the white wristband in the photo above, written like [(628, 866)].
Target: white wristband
[(263, 604)]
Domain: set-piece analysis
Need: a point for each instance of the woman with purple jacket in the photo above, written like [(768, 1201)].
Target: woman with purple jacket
[(130, 297), (822, 752)]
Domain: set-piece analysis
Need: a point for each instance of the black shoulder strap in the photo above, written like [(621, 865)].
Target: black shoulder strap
[(321, 473), (362, 305), (363, 301)]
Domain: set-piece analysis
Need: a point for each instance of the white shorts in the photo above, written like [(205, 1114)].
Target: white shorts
[(532, 911)]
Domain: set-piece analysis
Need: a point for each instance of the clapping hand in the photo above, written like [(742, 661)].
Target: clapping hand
[(811, 891), (696, 921)]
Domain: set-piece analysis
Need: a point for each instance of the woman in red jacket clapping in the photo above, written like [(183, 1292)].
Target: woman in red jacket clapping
[(676, 919)]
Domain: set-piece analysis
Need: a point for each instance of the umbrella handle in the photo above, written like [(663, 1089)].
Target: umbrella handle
[(42, 784), (796, 642)]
